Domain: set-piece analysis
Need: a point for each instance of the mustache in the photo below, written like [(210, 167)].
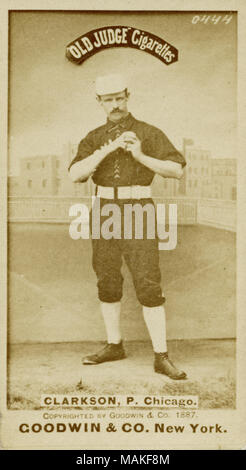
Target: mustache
[(116, 110)]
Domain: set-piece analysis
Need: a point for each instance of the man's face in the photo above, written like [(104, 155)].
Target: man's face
[(115, 105)]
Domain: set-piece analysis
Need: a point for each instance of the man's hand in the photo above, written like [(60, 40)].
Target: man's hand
[(128, 141), (113, 145), (133, 144)]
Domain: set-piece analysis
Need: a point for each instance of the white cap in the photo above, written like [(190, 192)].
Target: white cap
[(109, 84)]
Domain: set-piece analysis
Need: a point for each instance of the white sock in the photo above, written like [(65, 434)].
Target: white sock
[(111, 316), (155, 319)]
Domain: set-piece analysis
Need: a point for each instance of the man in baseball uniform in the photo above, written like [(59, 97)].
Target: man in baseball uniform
[(122, 156)]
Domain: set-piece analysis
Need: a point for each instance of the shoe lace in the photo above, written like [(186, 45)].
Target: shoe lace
[(107, 346), (164, 355)]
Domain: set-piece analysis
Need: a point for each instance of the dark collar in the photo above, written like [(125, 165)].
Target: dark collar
[(124, 124)]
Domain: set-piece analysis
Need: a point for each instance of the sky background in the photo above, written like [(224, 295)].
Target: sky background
[(52, 101)]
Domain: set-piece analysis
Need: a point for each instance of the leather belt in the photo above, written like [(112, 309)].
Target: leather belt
[(124, 192)]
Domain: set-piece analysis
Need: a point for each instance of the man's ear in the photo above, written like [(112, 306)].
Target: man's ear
[(98, 98)]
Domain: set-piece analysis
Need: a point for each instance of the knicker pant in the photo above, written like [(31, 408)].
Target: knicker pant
[(142, 259)]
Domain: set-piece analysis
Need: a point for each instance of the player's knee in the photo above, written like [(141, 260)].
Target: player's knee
[(109, 297), (109, 290), (150, 294), (151, 301)]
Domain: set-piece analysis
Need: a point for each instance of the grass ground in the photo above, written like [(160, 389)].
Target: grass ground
[(36, 369)]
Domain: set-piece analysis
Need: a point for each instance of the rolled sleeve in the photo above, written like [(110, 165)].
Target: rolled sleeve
[(85, 149), (163, 149)]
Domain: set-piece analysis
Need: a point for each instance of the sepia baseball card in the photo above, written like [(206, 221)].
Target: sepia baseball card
[(123, 225)]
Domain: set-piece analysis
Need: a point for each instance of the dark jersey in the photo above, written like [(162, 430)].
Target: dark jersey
[(119, 168)]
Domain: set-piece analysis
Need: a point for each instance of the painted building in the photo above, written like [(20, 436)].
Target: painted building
[(197, 173), (164, 187), (48, 176), (38, 176), (223, 178)]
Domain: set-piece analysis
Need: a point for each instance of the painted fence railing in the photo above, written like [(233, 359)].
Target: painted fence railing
[(213, 212)]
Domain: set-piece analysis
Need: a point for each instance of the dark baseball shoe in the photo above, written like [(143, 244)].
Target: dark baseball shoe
[(111, 352), (163, 365)]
